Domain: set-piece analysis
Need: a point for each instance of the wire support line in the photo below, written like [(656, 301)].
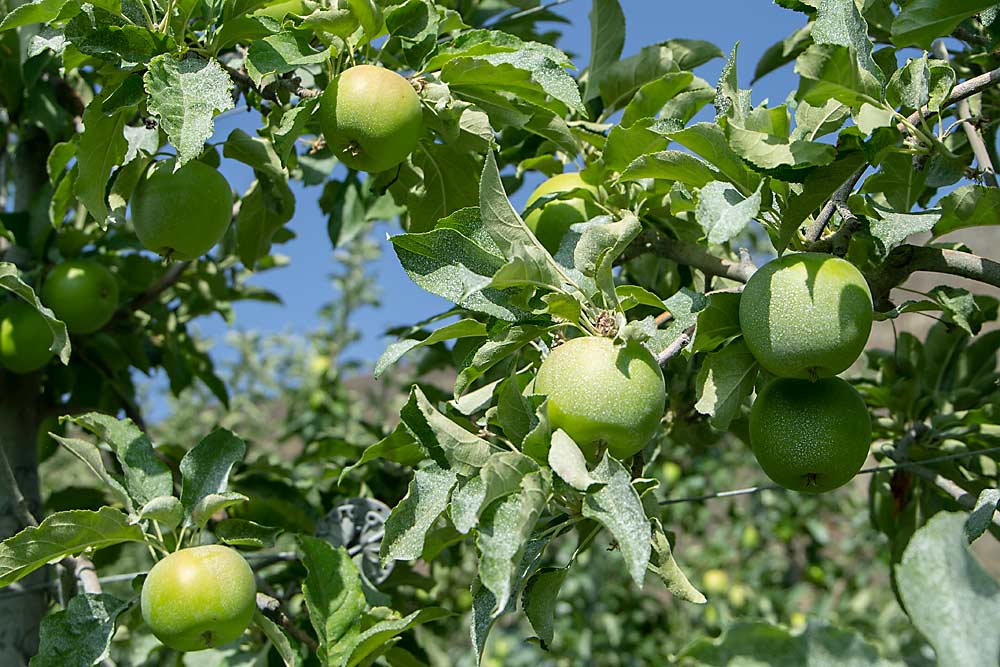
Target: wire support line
[(864, 471)]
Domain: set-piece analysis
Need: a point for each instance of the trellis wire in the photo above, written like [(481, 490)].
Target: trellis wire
[(864, 471), (14, 590)]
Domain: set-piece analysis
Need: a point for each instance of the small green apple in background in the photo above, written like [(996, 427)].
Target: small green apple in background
[(715, 581), (810, 436), (200, 597), (25, 338), (806, 315), (81, 293), (602, 394), (371, 118), (181, 214), (550, 222)]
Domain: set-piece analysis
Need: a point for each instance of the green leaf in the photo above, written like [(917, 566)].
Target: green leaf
[(725, 381), (898, 182), (166, 510), (484, 603), (718, 323), (10, 280), (671, 165), (982, 515), (205, 470), (425, 501), (708, 141), (376, 639), (567, 461), (446, 263), (79, 635), (443, 180), (415, 25), (617, 507), (466, 328), (920, 22), (769, 151), (277, 637), (184, 95), (209, 505), (840, 22), (334, 598), (146, 476), (284, 52), (812, 122), (968, 206), (62, 534), (110, 37), (620, 81), (39, 11), (499, 218), (450, 445), (832, 71), (264, 209), (539, 601), (369, 13), (504, 529), (783, 52), (723, 212), (920, 82), (515, 411), (599, 246), (528, 73), (607, 38), (91, 457), (684, 306), (651, 99), (627, 144), (948, 595), (500, 345), (663, 565), (500, 476), (100, 149), (761, 643), (961, 305), (399, 446), (243, 533), (891, 229)]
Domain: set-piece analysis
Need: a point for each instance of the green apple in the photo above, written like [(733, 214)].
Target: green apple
[(371, 118), (199, 598), (25, 338), (181, 214), (81, 293), (603, 395), (550, 222), (810, 436), (806, 315)]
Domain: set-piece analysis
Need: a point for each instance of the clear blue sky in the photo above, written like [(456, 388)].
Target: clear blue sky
[(304, 285)]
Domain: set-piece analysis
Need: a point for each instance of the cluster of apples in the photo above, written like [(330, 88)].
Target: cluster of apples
[(806, 317)]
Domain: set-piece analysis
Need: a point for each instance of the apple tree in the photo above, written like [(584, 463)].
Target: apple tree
[(700, 273)]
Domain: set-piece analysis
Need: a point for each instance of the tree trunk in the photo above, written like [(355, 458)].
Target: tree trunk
[(20, 615)]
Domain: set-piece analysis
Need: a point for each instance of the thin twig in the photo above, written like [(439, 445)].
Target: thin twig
[(907, 259), (815, 230), (971, 131), (960, 92), (291, 85), (21, 508), (693, 255), (863, 471), (521, 14), (166, 281), (675, 347), (271, 607)]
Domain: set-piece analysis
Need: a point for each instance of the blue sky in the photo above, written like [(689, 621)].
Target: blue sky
[(304, 284)]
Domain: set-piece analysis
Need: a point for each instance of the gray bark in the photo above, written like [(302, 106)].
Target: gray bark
[(20, 416)]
